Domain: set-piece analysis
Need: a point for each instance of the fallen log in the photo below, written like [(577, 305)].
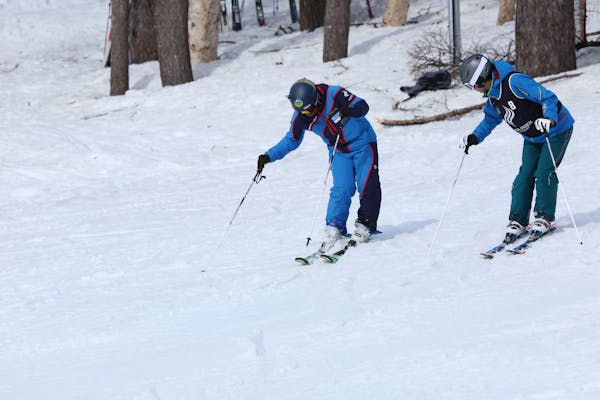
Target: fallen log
[(425, 120), (452, 113)]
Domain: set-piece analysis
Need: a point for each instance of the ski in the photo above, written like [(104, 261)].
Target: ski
[(260, 15), (223, 8), (309, 259), (235, 15), (492, 252), (294, 11), (533, 237), (369, 9), (509, 239), (335, 257), (108, 38), (331, 257), (501, 247)]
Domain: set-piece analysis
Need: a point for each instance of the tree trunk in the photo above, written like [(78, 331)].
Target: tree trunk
[(580, 21), (337, 28), (119, 56), (396, 12), (203, 27), (171, 23), (142, 39), (312, 14), (506, 12), (545, 37)]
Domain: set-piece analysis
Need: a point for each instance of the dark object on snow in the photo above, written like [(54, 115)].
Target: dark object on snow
[(282, 30), (429, 81)]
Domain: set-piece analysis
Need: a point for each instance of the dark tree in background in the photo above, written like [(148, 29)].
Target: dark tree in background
[(119, 56), (312, 14), (337, 28), (171, 27), (142, 39), (545, 36)]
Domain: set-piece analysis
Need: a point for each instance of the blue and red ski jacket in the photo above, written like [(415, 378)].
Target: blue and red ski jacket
[(355, 134)]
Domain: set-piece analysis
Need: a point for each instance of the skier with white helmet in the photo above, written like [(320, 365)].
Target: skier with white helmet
[(534, 112)]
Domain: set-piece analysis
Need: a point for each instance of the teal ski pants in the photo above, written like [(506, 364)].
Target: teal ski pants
[(537, 172)]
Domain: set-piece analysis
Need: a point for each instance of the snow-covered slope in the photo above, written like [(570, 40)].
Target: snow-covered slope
[(112, 207)]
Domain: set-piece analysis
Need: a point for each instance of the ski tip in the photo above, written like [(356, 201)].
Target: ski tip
[(487, 256), (517, 251), (330, 258), (303, 261)]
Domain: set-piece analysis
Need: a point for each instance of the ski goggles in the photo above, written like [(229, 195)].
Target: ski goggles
[(309, 111), (477, 81), (477, 85)]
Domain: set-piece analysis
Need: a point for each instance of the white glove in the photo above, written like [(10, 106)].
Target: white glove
[(543, 124)]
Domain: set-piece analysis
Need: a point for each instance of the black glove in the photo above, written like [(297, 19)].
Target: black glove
[(346, 112), (337, 116), (263, 159), (468, 141)]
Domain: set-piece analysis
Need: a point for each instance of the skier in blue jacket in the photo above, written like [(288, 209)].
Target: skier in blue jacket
[(328, 111), (534, 112)]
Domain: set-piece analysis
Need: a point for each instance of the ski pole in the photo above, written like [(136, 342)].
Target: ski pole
[(257, 178), (462, 160), (309, 238), (562, 189), (337, 139)]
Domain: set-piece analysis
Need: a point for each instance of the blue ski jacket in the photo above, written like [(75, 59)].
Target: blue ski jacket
[(355, 134), (520, 100)]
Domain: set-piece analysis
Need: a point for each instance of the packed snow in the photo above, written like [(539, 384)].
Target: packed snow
[(122, 280)]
